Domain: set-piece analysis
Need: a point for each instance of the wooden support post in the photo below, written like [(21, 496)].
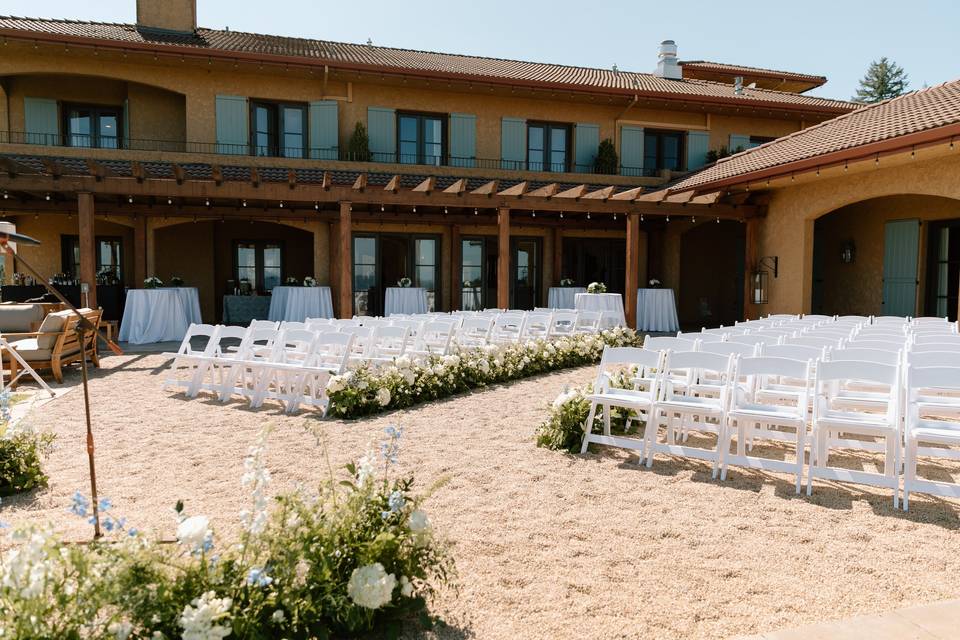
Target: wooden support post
[(557, 254), (456, 274), (503, 258), (345, 268), (139, 250), (88, 247), (751, 259), (633, 269)]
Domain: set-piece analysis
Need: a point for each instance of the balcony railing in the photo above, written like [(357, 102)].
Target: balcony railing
[(331, 154)]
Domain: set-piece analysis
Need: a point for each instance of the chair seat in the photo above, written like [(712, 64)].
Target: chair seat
[(30, 352), (767, 412), (936, 431), (622, 398), (692, 404), (855, 422)]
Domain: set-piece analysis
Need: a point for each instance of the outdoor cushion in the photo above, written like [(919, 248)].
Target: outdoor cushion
[(19, 318), (30, 351), (52, 325)]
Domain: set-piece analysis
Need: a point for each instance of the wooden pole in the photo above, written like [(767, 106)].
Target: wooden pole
[(751, 260), (139, 251), (633, 269), (456, 248), (346, 261), (503, 258), (88, 246), (557, 255)]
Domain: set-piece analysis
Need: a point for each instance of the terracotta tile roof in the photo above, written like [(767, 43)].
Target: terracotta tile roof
[(736, 69), (422, 62), (916, 112)]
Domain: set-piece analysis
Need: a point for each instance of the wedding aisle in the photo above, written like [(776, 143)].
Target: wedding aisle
[(547, 545)]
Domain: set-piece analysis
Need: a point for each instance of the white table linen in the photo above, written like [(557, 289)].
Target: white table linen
[(609, 304), (190, 298), (405, 300), (296, 304), (563, 297), (154, 315), (657, 310)]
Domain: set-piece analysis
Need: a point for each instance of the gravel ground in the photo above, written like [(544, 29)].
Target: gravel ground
[(547, 545)]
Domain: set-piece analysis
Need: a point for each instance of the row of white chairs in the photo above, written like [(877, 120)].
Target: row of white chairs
[(903, 403)]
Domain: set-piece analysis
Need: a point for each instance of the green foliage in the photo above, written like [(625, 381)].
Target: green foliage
[(301, 574), (718, 154), (359, 145), (20, 457), (563, 428), (884, 79), (606, 161), (405, 383)]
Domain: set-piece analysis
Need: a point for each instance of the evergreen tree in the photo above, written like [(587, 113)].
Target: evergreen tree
[(885, 79)]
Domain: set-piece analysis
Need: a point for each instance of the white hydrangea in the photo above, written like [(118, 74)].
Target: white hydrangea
[(201, 621), (120, 630), (194, 532), (406, 587), (420, 526), (564, 398), (371, 586), (366, 468), (383, 396), (27, 566), (335, 384)]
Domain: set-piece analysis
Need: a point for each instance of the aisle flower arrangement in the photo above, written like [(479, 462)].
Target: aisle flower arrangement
[(563, 428), (357, 557), (596, 287), (407, 382)]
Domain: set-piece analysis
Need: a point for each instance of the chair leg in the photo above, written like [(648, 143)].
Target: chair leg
[(801, 449), (606, 420), (588, 427), (910, 471), (57, 370), (814, 460), (723, 446), (650, 434)]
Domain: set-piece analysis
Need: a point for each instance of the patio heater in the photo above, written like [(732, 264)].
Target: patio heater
[(8, 236), (760, 279)]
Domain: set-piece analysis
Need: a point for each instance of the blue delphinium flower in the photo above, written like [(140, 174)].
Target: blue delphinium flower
[(79, 505), (390, 449), (394, 503), (104, 504), (258, 577)]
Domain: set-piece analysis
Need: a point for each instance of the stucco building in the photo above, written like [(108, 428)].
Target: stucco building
[(160, 148)]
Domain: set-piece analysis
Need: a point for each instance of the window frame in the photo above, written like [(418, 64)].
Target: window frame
[(660, 135), (96, 111), (548, 127), (259, 246), (420, 116), (275, 125), (70, 242)]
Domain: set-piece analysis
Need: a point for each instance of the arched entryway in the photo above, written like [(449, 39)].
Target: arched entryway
[(893, 255), (711, 275)]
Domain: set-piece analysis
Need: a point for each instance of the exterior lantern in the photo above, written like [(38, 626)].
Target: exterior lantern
[(848, 253), (761, 286)]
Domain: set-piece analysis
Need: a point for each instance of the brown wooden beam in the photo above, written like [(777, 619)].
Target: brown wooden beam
[(600, 194), (179, 174), (546, 191), (139, 250), (217, 172), (503, 258), (487, 189), (557, 254), (136, 169), (458, 187), (393, 185), (360, 183), (516, 190), (88, 246), (574, 192), (633, 269), (346, 261), (751, 260), (456, 273)]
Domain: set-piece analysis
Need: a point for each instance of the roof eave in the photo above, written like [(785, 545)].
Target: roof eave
[(196, 52)]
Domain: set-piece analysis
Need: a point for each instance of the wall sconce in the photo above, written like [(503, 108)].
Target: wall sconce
[(761, 278), (848, 253)]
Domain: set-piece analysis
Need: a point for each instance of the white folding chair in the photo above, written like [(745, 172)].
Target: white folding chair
[(263, 324), (562, 323), (815, 341), (238, 373), (389, 343), (926, 432), (190, 361), (639, 363), (588, 322), (750, 418), (537, 326), (475, 331), (362, 345), (318, 324), (290, 325), (508, 328), (332, 352), (434, 339), (681, 414), (829, 421), (279, 376)]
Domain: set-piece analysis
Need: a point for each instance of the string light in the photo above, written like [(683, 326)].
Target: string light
[(845, 165), (475, 212), (561, 215), (444, 211), (169, 200), (718, 219), (668, 218), (588, 215), (129, 198), (614, 217), (818, 172), (207, 202), (414, 208), (534, 214), (244, 203), (641, 217), (316, 206), (7, 195), (913, 152), (693, 219), (281, 204), (877, 161), (381, 207)]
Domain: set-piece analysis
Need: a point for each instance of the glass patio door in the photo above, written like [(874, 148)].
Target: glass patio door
[(525, 273), (383, 260)]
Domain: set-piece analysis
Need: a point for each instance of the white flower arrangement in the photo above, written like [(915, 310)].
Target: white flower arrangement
[(176, 281), (291, 281), (596, 287), (404, 282), (566, 282), (654, 283), (371, 586), (202, 617), (309, 281), (152, 282)]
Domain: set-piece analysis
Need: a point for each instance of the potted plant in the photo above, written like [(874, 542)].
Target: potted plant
[(176, 281), (596, 287), (152, 282), (404, 282), (566, 282), (359, 144), (309, 281)]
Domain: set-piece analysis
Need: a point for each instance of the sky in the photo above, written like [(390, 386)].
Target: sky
[(836, 38)]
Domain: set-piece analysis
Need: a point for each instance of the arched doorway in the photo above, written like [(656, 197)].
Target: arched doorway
[(893, 255), (711, 275)]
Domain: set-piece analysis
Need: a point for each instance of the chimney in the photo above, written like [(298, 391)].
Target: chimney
[(173, 16), (667, 66)]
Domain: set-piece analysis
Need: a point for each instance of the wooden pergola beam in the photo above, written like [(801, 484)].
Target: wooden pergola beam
[(217, 173), (628, 196), (546, 191), (457, 187), (426, 186), (325, 184), (98, 170), (292, 178), (54, 168), (600, 194), (178, 173), (136, 169), (574, 192), (360, 183), (14, 168), (516, 190), (487, 189), (254, 177), (394, 184)]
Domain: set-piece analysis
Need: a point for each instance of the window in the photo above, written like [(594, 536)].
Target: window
[(92, 126), (109, 257), (471, 271), (425, 269), (943, 272), (278, 129), (548, 147), (756, 141), (662, 150), (260, 263), (364, 274), (421, 139)]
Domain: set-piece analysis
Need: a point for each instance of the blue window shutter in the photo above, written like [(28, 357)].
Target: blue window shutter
[(631, 150), (463, 140), (740, 142), (513, 143), (324, 130), (698, 144), (40, 121), (586, 140), (233, 125), (382, 130), (901, 246)]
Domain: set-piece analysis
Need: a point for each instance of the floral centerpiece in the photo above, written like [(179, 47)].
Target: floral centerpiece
[(654, 283), (290, 281), (404, 282), (152, 282), (309, 281), (107, 275), (566, 282), (596, 287), (176, 281)]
